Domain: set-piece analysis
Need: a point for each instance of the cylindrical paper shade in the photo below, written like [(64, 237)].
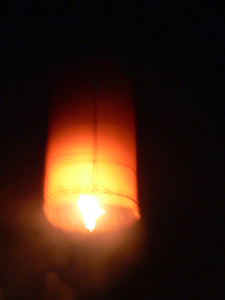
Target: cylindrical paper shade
[(91, 149)]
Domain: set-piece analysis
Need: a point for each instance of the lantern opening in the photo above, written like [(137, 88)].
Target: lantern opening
[(90, 210)]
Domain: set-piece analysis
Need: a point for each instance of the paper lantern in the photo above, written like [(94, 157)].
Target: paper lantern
[(90, 172)]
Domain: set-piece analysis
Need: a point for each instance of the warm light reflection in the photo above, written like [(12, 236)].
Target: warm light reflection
[(90, 210)]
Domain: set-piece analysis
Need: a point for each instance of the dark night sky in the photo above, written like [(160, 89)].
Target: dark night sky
[(174, 55)]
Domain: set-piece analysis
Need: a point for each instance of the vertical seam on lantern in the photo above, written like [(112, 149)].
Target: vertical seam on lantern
[(95, 140)]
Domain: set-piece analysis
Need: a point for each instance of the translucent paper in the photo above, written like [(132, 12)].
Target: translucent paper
[(91, 148)]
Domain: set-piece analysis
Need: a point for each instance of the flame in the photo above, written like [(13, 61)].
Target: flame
[(90, 210)]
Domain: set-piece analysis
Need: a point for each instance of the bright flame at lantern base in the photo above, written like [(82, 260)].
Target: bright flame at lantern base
[(90, 210)]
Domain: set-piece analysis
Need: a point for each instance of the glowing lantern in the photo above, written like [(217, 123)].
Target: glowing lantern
[(90, 177)]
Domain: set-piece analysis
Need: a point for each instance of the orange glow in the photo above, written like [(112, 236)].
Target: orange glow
[(91, 150), (90, 210)]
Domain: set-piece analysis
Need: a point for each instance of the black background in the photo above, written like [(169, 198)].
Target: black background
[(174, 53)]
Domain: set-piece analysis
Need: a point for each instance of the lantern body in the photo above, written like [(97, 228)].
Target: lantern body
[(91, 149)]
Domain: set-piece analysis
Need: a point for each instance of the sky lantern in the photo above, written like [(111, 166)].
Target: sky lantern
[(90, 171)]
